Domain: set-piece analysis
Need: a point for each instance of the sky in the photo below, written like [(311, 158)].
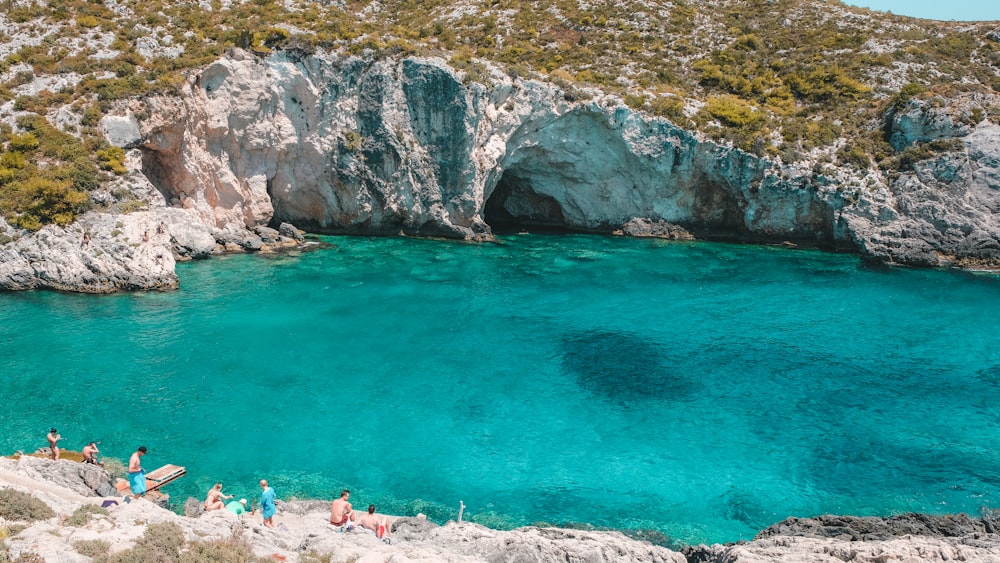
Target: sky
[(960, 10)]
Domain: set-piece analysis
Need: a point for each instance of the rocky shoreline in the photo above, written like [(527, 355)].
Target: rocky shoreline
[(304, 534), (410, 146)]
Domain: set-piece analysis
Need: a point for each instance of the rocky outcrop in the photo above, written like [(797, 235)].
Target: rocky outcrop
[(904, 549), (347, 145), (906, 537), (343, 145), (100, 253), (854, 528), (105, 252), (303, 533), (302, 529), (944, 210)]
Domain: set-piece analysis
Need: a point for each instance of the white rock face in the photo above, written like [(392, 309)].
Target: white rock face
[(343, 146), (123, 253), (906, 549), (303, 529), (337, 145)]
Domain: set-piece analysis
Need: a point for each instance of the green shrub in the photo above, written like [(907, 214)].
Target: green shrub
[(22, 507), (161, 542), (232, 550), (87, 21), (825, 84), (91, 116), (12, 161), (635, 101), (854, 155), (92, 548), (82, 515), (22, 143), (905, 94), (112, 159), (919, 153), (734, 112), (39, 200), (670, 107), (352, 141)]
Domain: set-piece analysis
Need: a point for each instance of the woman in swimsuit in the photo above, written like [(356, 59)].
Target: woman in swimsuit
[(215, 498)]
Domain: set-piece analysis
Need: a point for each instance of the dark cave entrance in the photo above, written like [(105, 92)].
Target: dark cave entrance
[(514, 206)]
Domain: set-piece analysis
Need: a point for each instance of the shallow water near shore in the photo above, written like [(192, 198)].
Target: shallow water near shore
[(701, 390)]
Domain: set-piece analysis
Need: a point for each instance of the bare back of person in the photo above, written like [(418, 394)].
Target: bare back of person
[(340, 510), (369, 521), (90, 452), (53, 437)]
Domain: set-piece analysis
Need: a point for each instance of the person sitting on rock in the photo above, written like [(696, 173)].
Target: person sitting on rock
[(341, 514), (90, 452), (215, 498)]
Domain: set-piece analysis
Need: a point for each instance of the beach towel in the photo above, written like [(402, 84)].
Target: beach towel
[(137, 482)]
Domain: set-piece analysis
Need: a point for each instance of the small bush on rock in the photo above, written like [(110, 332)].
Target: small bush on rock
[(20, 507), (92, 548), (161, 542), (81, 515), (220, 551)]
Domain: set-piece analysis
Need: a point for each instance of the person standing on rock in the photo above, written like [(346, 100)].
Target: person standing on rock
[(267, 507), (136, 474), (53, 438)]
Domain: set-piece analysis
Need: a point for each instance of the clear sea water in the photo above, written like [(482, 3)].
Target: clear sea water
[(700, 390)]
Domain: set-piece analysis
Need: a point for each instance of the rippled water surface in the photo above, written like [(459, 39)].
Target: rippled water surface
[(701, 390)]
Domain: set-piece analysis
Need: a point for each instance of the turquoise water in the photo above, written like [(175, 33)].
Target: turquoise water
[(701, 390)]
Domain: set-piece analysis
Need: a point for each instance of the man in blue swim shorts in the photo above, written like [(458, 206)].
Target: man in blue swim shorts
[(136, 474), (267, 504)]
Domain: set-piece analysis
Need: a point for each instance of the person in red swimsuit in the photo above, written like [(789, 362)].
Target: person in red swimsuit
[(340, 512)]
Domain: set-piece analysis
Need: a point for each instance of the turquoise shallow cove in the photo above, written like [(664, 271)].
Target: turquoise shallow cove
[(701, 390)]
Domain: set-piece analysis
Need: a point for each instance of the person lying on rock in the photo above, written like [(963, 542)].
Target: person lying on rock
[(377, 523)]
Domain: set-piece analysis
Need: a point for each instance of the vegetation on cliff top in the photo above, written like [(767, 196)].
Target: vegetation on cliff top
[(783, 78)]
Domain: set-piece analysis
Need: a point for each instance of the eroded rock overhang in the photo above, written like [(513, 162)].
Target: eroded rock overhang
[(344, 145)]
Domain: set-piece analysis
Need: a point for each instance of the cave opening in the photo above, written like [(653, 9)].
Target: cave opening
[(515, 206)]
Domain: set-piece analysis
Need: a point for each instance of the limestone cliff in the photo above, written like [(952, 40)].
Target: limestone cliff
[(341, 144), (345, 145)]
